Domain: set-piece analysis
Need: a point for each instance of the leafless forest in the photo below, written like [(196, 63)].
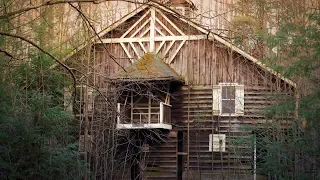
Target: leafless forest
[(159, 89)]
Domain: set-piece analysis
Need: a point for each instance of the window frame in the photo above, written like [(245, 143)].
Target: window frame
[(238, 99), (221, 99)]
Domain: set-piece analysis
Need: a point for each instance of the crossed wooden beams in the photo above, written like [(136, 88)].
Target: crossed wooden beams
[(139, 36)]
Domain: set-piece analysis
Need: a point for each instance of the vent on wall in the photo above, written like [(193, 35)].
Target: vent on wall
[(217, 142)]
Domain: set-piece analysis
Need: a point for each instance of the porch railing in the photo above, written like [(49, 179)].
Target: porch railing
[(139, 115), (165, 113)]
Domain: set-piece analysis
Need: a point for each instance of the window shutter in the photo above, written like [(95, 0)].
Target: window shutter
[(239, 100), (216, 93)]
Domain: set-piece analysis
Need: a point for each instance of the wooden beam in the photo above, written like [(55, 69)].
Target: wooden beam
[(168, 48), (165, 27), (170, 22), (131, 114), (161, 112), (162, 98), (176, 52), (134, 49), (152, 30), (143, 48), (123, 40), (118, 115), (135, 24), (127, 52), (142, 26), (145, 32), (162, 43), (149, 109), (159, 31), (144, 126), (157, 38)]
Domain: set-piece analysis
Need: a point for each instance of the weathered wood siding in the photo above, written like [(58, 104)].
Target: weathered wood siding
[(161, 161), (196, 104), (201, 64)]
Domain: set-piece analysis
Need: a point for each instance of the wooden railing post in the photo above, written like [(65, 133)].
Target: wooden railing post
[(118, 111), (161, 113)]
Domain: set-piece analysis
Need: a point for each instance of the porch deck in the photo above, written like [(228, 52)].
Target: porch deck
[(144, 117)]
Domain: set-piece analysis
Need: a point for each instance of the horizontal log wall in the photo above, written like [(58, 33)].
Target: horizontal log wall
[(203, 64), (161, 160), (236, 162)]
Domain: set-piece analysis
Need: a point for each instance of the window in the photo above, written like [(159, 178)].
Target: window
[(228, 94), (217, 142), (228, 99)]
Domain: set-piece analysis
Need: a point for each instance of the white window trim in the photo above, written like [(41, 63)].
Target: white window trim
[(220, 99), (238, 102)]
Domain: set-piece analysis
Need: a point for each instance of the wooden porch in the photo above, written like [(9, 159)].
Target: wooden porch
[(144, 117)]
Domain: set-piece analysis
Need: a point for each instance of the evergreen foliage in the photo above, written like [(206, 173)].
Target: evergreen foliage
[(294, 152), (38, 139)]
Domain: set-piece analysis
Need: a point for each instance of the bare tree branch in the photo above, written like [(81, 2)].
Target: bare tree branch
[(44, 51), (8, 54), (96, 34), (49, 3)]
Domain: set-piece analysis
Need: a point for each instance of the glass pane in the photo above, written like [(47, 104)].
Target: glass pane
[(228, 106), (228, 92)]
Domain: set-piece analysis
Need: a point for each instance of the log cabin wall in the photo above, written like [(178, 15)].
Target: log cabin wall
[(236, 162), (202, 63), (161, 160)]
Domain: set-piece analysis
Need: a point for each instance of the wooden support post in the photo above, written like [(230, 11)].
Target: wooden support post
[(152, 30), (161, 112), (188, 157), (149, 110), (131, 107), (168, 94), (118, 115)]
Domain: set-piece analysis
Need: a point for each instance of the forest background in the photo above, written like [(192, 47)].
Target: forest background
[(39, 139)]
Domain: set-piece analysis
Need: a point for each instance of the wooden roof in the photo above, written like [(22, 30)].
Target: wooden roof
[(148, 68)]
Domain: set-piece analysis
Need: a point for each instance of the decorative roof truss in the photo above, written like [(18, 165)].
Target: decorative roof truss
[(153, 32)]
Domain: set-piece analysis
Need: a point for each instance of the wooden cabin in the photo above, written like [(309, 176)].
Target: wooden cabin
[(180, 95)]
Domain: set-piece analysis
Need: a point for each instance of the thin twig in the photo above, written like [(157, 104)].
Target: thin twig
[(95, 32), (44, 51)]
